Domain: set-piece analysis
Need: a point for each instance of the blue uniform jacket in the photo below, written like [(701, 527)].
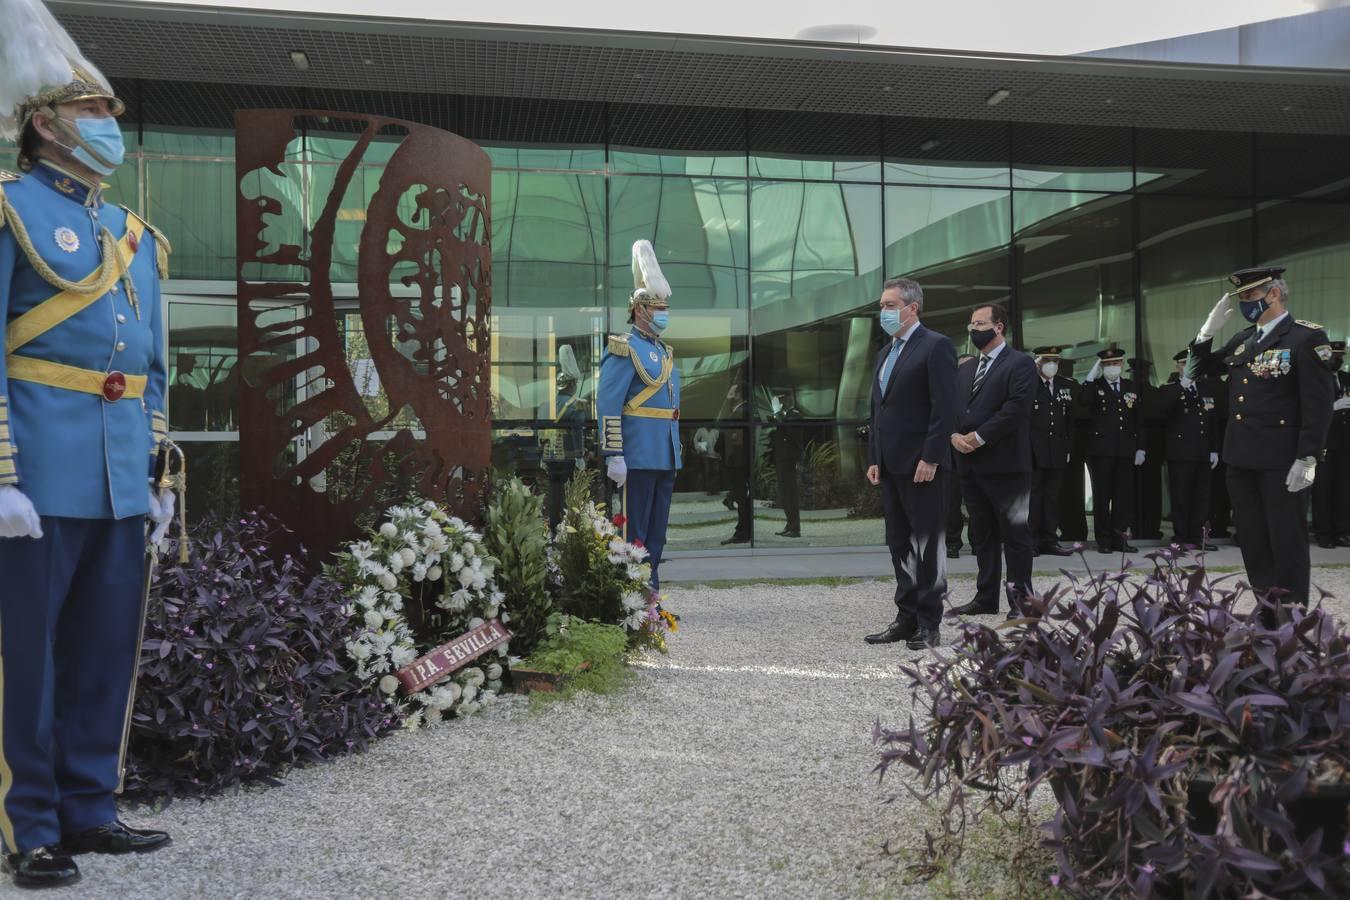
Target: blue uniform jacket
[(649, 441), (76, 454)]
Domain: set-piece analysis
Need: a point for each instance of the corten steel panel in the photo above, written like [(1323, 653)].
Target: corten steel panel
[(437, 365)]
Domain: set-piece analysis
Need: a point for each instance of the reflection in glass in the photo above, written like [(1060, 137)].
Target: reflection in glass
[(946, 151), (203, 367), (816, 146), (1071, 157), (1312, 240)]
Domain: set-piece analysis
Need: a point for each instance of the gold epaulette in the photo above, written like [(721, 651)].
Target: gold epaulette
[(618, 344), (162, 246), (8, 176), (1306, 324)]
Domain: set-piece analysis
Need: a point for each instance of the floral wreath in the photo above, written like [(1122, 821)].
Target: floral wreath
[(421, 552)]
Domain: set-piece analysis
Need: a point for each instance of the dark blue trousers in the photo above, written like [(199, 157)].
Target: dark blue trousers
[(70, 608), (646, 505)]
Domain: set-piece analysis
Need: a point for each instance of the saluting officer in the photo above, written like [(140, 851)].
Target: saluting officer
[(1052, 410), (1281, 390), (1111, 404), (1331, 491), (1186, 409), (81, 414), (638, 404)]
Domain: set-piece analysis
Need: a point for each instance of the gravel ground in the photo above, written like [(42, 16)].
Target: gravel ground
[(738, 766)]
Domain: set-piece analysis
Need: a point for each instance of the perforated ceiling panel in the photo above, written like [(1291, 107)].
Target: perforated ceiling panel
[(230, 46)]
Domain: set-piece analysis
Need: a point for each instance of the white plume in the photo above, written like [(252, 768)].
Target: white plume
[(35, 53), (647, 271), (567, 362)]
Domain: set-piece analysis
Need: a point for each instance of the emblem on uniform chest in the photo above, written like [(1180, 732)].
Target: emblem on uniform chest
[(653, 356), (1130, 397), (1270, 364), (67, 239)]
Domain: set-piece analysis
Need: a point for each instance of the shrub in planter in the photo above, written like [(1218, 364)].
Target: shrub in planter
[(242, 672), (584, 656), (516, 534), (1128, 696)]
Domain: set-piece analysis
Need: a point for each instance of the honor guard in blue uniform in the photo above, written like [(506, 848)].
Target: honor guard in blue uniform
[(638, 405), (1281, 392), (82, 384)]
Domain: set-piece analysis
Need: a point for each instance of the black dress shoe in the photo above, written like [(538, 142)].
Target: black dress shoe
[(737, 539), (788, 532), (1103, 548), (1056, 550), (1343, 540), (899, 630), (729, 503), (115, 837), (42, 867), (975, 609), (1326, 543), (1209, 547), (927, 636), (953, 552), (1127, 547)]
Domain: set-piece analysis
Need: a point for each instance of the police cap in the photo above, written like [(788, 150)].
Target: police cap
[(1246, 279)]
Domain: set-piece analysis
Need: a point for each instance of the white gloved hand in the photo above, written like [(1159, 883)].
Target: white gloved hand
[(1343, 403), (617, 470), (161, 512), (1187, 383), (701, 446), (1095, 372), (1301, 474), (1214, 460), (1218, 317), (18, 519), (1139, 457)]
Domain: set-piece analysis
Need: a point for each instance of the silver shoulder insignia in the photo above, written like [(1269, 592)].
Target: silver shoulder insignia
[(1306, 324)]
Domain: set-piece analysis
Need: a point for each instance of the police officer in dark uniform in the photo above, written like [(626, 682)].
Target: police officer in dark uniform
[(787, 448), (1111, 404), (1331, 490), (1051, 434), (1186, 409), (1281, 391)]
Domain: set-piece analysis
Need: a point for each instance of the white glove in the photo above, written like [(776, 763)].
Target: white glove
[(1187, 383), (1343, 403), (1301, 474), (617, 470), (1139, 457), (701, 446), (1218, 317), (18, 519), (161, 512), (1214, 460), (1095, 372)]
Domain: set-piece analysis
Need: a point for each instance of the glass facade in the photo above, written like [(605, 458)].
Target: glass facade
[(776, 231)]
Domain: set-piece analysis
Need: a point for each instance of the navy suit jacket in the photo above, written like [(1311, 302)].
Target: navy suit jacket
[(913, 418), (1000, 412)]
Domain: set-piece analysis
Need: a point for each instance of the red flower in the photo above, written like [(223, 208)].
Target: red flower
[(637, 543), (619, 520)]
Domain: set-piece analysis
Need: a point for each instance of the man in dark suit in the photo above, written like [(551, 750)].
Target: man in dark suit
[(1282, 392), (1191, 447), (993, 440), (1331, 490), (913, 412), (1051, 436), (1111, 404), (786, 445)]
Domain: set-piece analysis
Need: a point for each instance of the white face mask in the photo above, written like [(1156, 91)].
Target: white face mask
[(1050, 369), (1112, 373)]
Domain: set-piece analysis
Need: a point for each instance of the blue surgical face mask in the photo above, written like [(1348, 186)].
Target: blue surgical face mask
[(660, 320), (104, 137), (890, 321), (1252, 310)]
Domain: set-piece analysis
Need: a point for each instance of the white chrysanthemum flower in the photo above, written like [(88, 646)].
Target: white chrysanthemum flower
[(409, 556), (456, 562), (489, 570), (490, 612), (419, 572), (494, 672), (635, 620), (634, 573), (617, 546), (470, 691), (361, 551), (359, 650), (466, 577), (475, 622), (389, 530), (403, 655), (373, 619), (434, 573), (487, 697), (477, 563), (498, 597), (634, 601), (369, 594), (475, 677), (503, 650), (468, 709), (638, 554), (394, 601), (479, 582), (469, 549), (388, 581), (389, 684), (505, 617), (395, 563)]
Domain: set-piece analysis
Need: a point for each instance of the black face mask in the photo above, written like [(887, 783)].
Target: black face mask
[(981, 339)]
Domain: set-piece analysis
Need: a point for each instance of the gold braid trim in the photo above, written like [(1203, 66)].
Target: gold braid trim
[(162, 246), (107, 274)]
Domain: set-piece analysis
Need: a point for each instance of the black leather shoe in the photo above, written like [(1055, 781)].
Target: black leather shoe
[(736, 539), (1326, 543), (1343, 540), (788, 532), (1127, 547), (729, 503), (1056, 550), (899, 630), (115, 837), (1209, 547), (41, 867), (953, 552), (926, 637), (975, 609), (1103, 548)]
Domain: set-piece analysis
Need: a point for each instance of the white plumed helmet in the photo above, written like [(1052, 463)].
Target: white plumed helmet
[(649, 285)]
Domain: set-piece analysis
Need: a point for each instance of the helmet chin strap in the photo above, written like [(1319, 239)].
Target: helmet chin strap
[(61, 125)]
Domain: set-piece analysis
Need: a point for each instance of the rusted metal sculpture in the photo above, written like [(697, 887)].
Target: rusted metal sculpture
[(308, 448)]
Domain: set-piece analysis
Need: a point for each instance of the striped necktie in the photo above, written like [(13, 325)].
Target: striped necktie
[(979, 375)]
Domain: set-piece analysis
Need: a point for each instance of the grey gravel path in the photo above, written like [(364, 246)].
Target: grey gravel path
[(738, 766)]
